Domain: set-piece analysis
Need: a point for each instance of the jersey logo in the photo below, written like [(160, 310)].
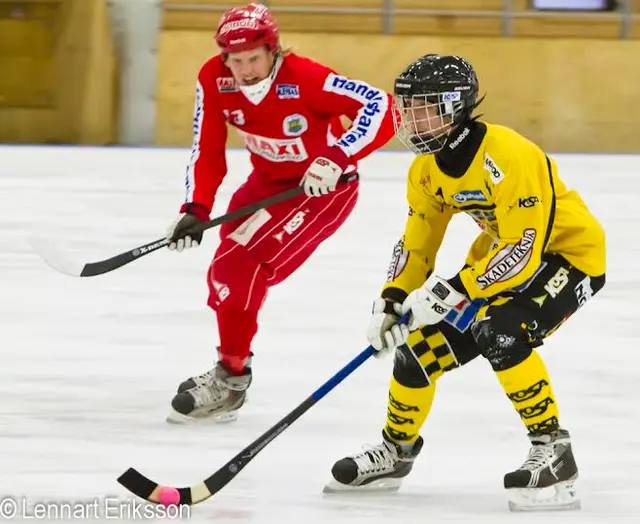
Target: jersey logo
[(287, 91), (509, 261), (370, 116), (398, 262), (466, 196), (276, 149), (353, 88), (489, 164), (557, 282), (227, 84), (528, 201), (584, 291), (294, 125)]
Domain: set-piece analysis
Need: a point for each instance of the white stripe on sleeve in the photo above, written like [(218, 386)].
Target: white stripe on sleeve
[(198, 117)]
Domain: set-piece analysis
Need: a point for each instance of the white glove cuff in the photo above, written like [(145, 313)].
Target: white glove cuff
[(446, 293)]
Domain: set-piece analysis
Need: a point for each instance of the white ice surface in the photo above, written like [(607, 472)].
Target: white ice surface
[(88, 366)]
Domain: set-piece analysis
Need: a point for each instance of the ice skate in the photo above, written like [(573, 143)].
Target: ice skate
[(380, 468), (546, 479), (216, 395)]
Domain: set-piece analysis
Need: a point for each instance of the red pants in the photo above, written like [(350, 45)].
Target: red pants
[(262, 250)]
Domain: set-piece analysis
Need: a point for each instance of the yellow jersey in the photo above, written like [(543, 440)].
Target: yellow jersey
[(512, 190)]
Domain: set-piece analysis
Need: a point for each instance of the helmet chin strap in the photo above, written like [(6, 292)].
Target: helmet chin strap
[(255, 93)]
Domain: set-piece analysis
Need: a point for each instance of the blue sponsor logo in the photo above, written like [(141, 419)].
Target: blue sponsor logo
[(287, 91), (373, 100), (362, 89), (451, 97), (466, 196)]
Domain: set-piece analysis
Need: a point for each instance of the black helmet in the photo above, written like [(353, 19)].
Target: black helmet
[(433, 94)]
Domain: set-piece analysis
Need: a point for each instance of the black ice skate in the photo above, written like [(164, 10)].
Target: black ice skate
[(546, 479), (380, 468), (215, 395)]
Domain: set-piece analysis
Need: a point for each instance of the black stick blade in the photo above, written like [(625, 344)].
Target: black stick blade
[(149, 490)]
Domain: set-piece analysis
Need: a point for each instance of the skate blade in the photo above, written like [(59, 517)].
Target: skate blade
[(216, 418), (561, 497), (387, 485)]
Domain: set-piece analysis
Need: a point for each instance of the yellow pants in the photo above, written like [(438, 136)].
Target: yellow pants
[(427, 356), (504, 330)]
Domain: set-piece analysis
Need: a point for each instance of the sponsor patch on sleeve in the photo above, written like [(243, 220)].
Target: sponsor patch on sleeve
[(509, 261), (398, 262), (368, 120)]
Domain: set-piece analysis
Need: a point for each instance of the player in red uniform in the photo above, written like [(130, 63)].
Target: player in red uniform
[(287, 108)]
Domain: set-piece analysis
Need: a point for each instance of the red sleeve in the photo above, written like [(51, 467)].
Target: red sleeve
[(207, 163), (369, 108)]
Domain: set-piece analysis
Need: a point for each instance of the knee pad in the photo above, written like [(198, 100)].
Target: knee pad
[(423, 359), (501, 341), (407, 369)]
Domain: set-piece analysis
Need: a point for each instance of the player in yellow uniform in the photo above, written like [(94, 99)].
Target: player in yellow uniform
[(539, 257)]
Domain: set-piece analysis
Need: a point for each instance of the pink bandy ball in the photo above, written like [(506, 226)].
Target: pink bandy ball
[(169, 496)]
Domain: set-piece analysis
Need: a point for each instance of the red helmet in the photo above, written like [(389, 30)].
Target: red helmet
[(247, 27)]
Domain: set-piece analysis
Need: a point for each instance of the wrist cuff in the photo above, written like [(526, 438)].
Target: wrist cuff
[(337, 155), (394, 294), (456, 283), (197, 210)]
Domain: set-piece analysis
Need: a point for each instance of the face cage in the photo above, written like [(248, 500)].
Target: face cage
[(423, 122)]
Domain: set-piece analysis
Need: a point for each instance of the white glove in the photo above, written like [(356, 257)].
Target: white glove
[(383, 332), (429, 304), (321, 177), (183, 232)]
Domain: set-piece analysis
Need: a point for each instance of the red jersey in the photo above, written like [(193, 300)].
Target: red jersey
[(296, 122)]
